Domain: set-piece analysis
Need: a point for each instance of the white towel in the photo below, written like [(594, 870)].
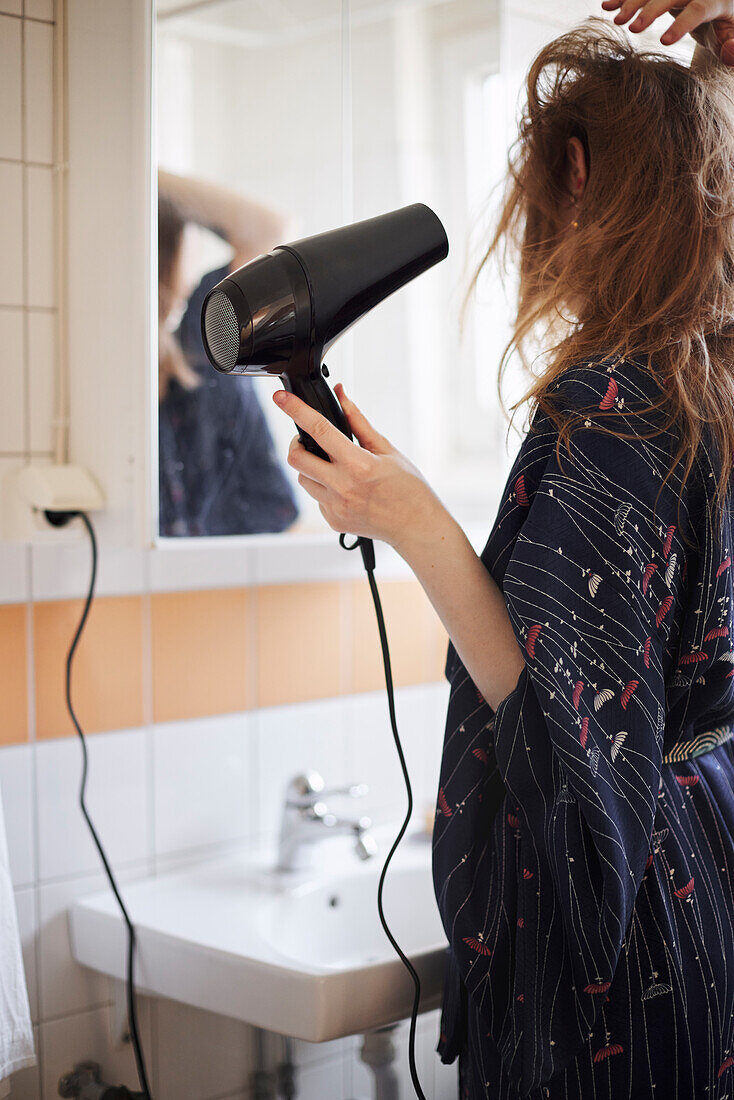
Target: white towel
[(16, 1033)]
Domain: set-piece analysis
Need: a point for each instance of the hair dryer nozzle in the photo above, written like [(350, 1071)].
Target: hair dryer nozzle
[(279, 313)]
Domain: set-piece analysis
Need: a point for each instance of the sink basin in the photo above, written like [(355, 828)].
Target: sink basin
[(299, 953)]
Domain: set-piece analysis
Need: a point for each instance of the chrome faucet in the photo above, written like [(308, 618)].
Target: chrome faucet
[(306, 818)]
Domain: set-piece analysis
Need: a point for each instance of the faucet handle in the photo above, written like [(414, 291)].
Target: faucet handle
[(355, 790), (307, 788)]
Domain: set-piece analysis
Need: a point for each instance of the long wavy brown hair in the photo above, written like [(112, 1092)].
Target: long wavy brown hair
[(649, 268)]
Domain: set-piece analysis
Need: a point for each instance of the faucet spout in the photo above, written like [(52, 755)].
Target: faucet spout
[(306, 818)]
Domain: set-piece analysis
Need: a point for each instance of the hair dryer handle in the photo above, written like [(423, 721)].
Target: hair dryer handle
[(315, 392)]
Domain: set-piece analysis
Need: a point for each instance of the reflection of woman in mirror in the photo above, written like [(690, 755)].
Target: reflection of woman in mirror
[(218, 471), (583, 848)]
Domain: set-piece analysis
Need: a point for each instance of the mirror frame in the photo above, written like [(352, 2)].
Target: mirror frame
[(231, 560)]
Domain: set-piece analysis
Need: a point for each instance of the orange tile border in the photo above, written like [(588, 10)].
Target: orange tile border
[(307, 640), (108, 665), (200, 653), (299, 636), (414, 634), (13, 674)]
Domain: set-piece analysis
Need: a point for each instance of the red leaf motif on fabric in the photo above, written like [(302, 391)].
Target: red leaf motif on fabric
[(663, 610), (533, 633), (668, 540), (445, 808), (521, 492), (526, 874), (627, 693), (514, 821), (597, 987), (649, 570), (717, 632), (477, 945), (521, 997), (684, 891), (725, 1065), (521, 922), (647, 574), (724, 565), (607, 1052), (693, 658), (647, 652), (578, 687), (584, 733), (480, 697), (480, 754), (687, 780), (649, 861), (607, 400)]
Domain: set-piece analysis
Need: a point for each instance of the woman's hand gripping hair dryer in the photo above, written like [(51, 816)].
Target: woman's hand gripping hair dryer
[(280, 313)]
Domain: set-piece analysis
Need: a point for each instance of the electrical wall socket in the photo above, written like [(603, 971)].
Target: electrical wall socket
[(29, 491)]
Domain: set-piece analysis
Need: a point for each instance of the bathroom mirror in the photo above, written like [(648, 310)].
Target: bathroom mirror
[(275, 121)]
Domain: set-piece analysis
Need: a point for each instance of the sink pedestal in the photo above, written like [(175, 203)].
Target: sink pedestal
[(378, 1052)]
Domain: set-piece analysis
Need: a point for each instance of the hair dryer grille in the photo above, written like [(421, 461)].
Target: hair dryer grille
[(222, 331)]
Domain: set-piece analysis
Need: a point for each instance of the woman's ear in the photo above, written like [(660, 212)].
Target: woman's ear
[(576, 171)]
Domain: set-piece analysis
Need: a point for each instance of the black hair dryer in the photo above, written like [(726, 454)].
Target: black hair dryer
[(281, 312)]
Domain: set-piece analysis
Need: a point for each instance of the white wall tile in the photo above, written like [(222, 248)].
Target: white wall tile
[(202, 778), (14, 572), (200, 1055), (11, 234), (87, 1037), (62, 571), (25, 907), (324, 1081), (299, 738), (200, 564), (41, 244), (38, 81), (372, 755), (26, 1085), (16, 785), (65, 987), (41, 380), (117, 799), (12, 6), (39, 9), (12, 379), (10, 81)]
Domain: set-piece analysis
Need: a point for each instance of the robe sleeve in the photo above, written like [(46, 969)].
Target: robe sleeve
[(539, 894)]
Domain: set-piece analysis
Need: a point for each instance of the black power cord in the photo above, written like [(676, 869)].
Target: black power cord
[(367, 548), (60, 519)]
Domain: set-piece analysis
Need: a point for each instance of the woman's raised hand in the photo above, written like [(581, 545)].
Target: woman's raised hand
[(710, 22), (371, 489)]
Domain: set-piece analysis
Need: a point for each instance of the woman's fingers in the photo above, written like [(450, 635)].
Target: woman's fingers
[(314, 488), (316, 469), (693, 15), (652, 11), (367, 436), (321, 430), (627, 9)]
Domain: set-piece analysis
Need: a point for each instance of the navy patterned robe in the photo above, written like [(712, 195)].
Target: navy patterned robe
[(586, 886)]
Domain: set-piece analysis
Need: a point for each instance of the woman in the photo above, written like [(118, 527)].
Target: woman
[(584, 840), (218, 471)]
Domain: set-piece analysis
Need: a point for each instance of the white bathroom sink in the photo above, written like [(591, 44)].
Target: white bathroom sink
[(299, 953)]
